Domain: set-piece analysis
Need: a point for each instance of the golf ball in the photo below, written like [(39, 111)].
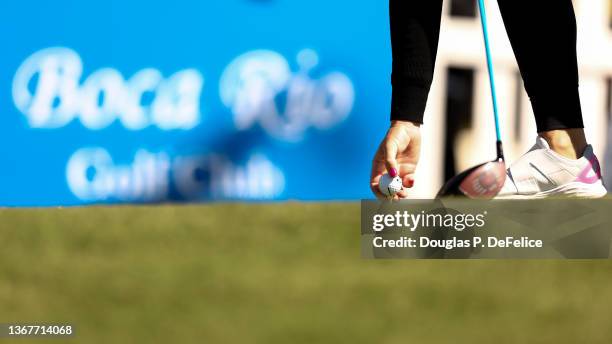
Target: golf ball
[(390, 186)]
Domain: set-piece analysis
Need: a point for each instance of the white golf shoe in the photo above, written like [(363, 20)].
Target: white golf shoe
[(541, 173)]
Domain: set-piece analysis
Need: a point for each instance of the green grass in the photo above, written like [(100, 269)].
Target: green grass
[(283, 273)]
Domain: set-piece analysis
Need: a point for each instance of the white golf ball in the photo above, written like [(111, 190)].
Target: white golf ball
[(390, 186)]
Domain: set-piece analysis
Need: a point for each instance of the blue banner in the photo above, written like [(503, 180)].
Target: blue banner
[(153, 101)]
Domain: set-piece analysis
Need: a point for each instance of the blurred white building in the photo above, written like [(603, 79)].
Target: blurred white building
[(462, 66)]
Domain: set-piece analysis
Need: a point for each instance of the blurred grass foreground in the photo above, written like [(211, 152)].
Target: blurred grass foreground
[(278, 273)]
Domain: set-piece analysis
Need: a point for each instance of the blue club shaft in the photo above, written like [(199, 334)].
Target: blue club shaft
[(485, 32)]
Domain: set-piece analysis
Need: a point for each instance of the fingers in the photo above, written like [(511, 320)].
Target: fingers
[(403, 193), (374, 186), (391, 157), (408, 180), (408, 183)]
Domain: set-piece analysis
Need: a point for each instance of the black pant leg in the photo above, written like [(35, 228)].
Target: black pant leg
[(543, 37)]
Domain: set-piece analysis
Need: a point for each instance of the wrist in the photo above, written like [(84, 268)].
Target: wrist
[(399, 123)]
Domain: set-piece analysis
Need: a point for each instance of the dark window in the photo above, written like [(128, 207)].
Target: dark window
[(459, 109), (463, 8)]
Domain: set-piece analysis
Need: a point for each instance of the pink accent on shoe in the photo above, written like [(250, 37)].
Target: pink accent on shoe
[(393, 173), (586, 175)]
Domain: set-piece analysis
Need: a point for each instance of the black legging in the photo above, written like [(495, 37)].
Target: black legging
[(543, 37)]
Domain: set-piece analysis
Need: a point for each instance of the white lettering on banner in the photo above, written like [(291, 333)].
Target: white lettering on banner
[(258, 179), (92, 175), (46, 90), (251, 85)]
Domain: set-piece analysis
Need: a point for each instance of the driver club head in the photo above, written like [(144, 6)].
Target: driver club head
[(480, 182)]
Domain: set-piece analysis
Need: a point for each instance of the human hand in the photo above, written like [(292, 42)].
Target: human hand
[(398, 154)]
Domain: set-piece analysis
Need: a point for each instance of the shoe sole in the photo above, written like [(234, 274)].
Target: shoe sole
[(571, 190)]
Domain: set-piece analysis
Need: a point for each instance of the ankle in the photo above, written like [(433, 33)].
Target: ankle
[(569, 143)]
